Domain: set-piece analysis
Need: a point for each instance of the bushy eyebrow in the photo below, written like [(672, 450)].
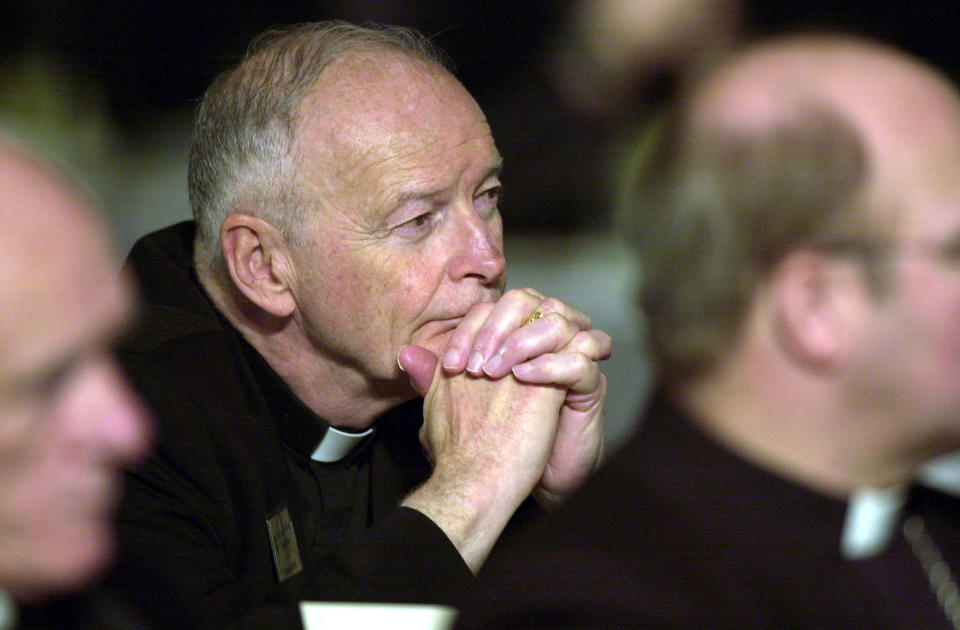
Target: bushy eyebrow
[(496, 166), (494, 169)]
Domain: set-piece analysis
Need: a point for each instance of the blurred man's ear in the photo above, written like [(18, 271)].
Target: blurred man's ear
[(259, 263), (812, 295)]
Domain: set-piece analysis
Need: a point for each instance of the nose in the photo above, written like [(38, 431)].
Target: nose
[(478, 250), (114, 421)]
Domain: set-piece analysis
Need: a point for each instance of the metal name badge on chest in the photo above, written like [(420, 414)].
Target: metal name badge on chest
[(283, 543)]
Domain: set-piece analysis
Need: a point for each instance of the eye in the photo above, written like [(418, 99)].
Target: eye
[(951, 252), (417, 227), (54, 379), (488, 200)]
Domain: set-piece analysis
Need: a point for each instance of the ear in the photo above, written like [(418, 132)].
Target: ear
[(259, 263), (812, 304)]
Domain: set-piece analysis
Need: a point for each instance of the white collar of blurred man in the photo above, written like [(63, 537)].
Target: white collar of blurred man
[(68, 421), (836, 362)]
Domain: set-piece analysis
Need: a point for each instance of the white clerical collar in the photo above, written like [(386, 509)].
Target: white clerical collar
[(942, 473), (873, 515), (8, 611), (337, 444)]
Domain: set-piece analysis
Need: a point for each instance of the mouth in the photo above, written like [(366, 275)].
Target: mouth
[(446, 324), (435, 330), (99, 497), (449, 318)]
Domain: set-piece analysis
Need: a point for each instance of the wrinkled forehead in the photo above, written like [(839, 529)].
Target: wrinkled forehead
[(377, 101)]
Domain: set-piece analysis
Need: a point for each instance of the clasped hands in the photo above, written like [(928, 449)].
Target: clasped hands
[(512, 405)]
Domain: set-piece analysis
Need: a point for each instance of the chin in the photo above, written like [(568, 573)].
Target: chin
[(97, 556), (69, 564)]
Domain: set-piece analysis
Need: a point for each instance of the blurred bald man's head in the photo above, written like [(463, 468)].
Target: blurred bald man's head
[(68, 421), (799, 233)]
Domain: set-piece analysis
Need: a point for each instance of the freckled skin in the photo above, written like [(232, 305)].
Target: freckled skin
[(398, 140), (403, 250)]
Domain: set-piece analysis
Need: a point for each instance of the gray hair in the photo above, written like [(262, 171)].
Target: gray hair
[(711, 216), (242, 155)]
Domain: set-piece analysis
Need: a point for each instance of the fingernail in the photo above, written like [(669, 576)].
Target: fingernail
[(400, 365), (475, 363), (492, 364), (450, 359), (521, 371)]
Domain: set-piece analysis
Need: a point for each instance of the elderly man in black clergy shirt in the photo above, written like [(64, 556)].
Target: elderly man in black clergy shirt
[(345, 189), (799, 236)]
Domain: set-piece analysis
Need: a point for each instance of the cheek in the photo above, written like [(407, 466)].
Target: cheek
[(936, 304), (29, 500), (16, 420), (377, 300), (417, 276), (421, 298), (948, 337), (931, 332), (345, 286), (28, 447)]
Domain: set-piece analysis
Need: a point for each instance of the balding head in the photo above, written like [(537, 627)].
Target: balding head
[(50, 225), (799, 141), (67, 420), (899, 107), (760, 85), (799, 234), (244, 155)]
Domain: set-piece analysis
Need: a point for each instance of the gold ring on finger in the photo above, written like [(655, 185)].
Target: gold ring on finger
[(534, 317)]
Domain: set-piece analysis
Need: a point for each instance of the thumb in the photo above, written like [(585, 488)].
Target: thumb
[(419, 364)]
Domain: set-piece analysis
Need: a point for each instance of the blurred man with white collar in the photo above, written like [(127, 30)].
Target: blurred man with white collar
[(798, 228)]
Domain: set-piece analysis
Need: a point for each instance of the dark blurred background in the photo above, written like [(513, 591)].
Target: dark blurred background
[(109, 87), (143, 62), (554, 106)]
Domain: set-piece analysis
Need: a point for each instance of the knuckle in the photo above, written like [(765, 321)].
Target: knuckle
[(581, 343), (594, 343), (531, 292), (580, 363), (515, 297), (560, 327), (553, 305), (548, 362)]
